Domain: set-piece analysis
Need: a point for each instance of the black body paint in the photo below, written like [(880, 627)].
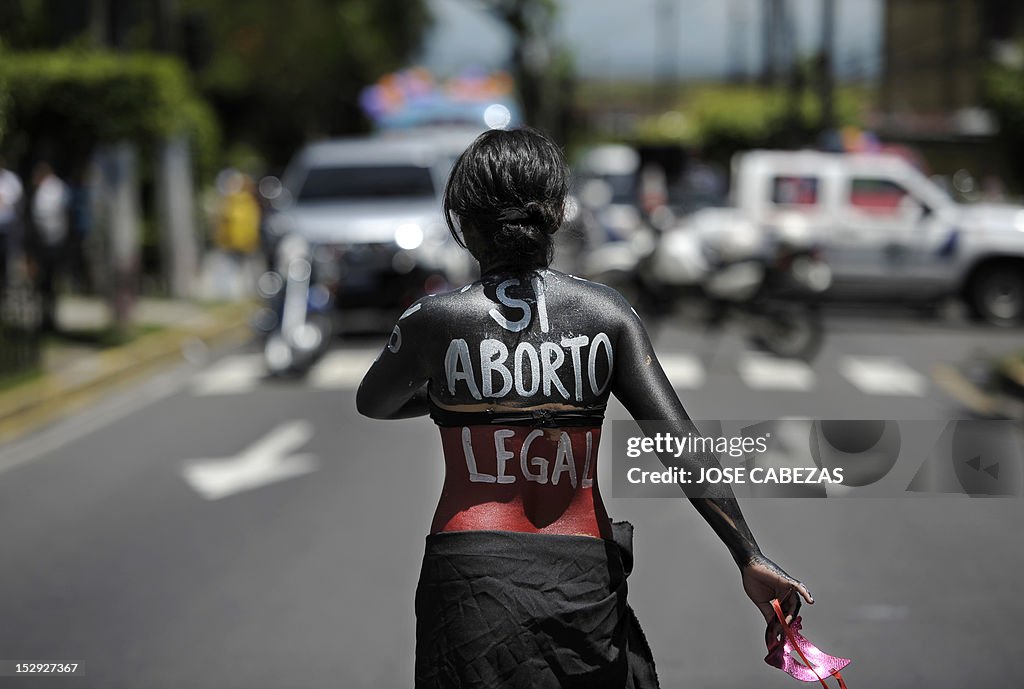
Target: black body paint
[(588, 343)]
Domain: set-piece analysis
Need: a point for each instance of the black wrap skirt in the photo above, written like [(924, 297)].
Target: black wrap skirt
[(501, 609)]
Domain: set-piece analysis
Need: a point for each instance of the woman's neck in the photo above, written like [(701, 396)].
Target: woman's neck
[(497, 267)]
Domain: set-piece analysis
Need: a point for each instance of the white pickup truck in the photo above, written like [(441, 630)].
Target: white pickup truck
[(887, 231)]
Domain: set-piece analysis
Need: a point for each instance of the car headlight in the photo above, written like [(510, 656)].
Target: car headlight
[(408, 236)]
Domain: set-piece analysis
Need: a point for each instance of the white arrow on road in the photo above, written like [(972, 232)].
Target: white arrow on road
[(266, 461)]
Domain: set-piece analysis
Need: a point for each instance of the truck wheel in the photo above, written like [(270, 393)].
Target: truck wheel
[(997, 295)]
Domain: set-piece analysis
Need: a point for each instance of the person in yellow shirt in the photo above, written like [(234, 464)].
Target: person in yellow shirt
[(238, 222)]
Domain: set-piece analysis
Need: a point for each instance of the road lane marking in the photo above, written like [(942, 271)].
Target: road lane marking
[(341, 369), (763, 372), (268, 460), (684, 370), (880, 375), (231, 375)]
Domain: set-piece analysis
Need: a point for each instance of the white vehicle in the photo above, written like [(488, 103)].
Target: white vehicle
[(887, 232)]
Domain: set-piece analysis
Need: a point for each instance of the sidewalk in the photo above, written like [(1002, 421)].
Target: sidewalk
[(77, 369)]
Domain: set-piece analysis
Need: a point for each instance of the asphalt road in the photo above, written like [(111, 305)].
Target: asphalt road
[(150, 574)]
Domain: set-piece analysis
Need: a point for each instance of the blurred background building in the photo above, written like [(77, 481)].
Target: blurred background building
[(935, 56), (935, 91)]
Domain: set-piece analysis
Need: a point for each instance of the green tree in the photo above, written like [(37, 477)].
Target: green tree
[(724, 119), (67, 102), (1004, 94), (543, 73), (280, 72), (276, 71), (37, 24), (528, 21)]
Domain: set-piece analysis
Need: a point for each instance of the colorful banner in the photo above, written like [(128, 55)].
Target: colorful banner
[(413, 97)]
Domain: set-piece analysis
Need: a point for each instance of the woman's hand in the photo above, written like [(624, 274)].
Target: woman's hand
[(764, 580)]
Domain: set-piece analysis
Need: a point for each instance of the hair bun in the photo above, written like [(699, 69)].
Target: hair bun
[(530, 214), (508, 190), (513, 215)]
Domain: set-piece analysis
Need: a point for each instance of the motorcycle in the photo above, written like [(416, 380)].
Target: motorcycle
[(768, 281), (296, 318)]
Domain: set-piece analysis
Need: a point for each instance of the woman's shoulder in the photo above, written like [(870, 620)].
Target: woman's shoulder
[(442, 307), (583, 284), (594, 295)]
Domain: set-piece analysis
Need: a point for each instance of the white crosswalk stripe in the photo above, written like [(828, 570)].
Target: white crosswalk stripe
[(341, 369), (231, 375), (684, 370), (879, 375), (763, 372)]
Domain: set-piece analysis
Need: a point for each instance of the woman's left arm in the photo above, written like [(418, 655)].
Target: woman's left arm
[(640, 383), (395, 387)]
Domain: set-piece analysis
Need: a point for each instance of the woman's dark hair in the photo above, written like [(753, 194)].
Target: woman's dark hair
[(508, 190)]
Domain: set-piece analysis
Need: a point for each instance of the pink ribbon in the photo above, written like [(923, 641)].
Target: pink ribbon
[(817, 665)]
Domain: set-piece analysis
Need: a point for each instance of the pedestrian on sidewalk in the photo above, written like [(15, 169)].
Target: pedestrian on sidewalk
[(11, 193), (80, 221), (238, 230), (523, 582), (50, 202)]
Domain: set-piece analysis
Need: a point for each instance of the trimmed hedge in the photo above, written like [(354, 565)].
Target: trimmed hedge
[(746, 116), (97, 97)]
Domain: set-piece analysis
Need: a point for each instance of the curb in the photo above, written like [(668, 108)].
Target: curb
[(27, 407)]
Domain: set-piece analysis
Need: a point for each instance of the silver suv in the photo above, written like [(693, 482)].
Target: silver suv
[(370, 209)]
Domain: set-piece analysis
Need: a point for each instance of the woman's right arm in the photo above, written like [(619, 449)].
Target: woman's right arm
[(640, 383), (395, 385)]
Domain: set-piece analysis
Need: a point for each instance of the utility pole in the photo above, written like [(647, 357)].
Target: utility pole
[(787, 47), (769, 21), (789, 65), (738, 38), (175, 187), (117, 185), (666, 58), (826, 62)]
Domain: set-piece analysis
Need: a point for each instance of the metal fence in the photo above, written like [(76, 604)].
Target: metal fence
[(20, 339)]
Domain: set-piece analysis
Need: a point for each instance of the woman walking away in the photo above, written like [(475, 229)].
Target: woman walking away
[(523, 582)]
